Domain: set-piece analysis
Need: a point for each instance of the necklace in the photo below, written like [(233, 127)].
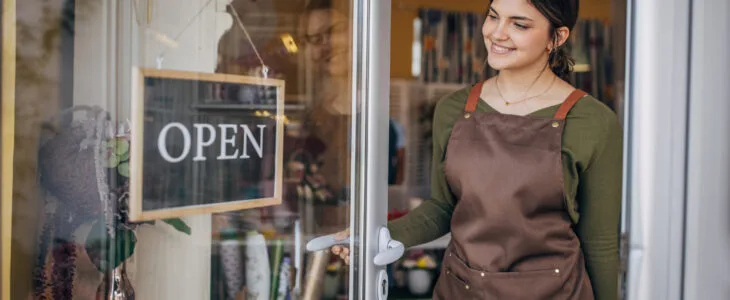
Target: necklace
[(507, 103)]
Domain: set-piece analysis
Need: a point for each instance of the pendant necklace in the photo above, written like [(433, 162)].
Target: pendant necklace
[(508, 103)]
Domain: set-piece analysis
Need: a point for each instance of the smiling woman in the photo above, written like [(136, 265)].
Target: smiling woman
[(526, 172)]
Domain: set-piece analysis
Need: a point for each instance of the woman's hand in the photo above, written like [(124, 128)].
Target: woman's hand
[(342, 251)]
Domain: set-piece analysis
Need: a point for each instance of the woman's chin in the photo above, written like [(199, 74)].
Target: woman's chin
[(498, 64)]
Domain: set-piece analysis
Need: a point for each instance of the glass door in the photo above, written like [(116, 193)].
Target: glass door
[(194, 150)]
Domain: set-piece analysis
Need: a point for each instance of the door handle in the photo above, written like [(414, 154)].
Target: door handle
[(325, 242), (389, 250)]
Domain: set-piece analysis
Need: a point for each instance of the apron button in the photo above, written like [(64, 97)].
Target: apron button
[(557, 271), (467, 115), (466, 286), (556, 124), (482, 274)]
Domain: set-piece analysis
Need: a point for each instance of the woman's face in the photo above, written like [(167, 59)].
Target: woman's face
[(327, 36), (516, 35)]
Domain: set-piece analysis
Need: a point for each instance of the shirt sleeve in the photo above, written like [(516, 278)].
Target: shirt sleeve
[(599, 204), (431, 219)]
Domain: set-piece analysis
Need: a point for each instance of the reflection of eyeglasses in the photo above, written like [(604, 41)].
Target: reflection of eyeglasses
[(320, 37)]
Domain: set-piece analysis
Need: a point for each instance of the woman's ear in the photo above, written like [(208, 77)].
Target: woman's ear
[(561, 36)]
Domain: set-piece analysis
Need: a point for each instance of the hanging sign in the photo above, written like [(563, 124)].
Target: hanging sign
[(204, 143)]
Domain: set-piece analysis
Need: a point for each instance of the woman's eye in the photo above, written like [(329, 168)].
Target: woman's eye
[(492, 17), (521, 26)]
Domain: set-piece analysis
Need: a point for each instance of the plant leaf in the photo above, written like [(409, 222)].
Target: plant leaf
[(179, 225), (107, 253), (121, 146), (123, 169), (113, 160)]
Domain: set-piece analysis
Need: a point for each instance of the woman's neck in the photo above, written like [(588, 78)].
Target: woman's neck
[(525, 82)]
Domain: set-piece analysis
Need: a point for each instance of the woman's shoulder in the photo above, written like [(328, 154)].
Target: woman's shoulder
[(590, 109), (592, 120), (452, 104)]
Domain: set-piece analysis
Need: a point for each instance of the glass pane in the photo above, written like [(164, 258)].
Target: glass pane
[(74, 171)]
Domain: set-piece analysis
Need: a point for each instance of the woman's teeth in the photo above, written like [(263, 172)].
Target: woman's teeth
[(501, 50)]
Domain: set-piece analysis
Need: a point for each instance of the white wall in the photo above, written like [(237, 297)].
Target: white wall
[(707, 258)]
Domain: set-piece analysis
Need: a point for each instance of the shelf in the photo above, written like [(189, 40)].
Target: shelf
[(286, 241), (246, 106), (440, 243)]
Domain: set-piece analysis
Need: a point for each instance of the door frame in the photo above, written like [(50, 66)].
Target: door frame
[(656, 130), (370, 111)]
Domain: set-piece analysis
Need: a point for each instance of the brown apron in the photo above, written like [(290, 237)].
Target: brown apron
[(512, 236)]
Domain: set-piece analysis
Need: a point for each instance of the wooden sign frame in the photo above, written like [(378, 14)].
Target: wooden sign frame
[(8, 141), (136, 212)]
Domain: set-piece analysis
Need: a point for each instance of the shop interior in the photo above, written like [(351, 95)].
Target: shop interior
[(257, 249)]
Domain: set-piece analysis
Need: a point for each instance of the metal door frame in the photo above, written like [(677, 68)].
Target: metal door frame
[(370, 111), (656, 146), (707, 231)]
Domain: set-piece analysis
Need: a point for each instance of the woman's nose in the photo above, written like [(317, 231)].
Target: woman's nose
[(498, 33)]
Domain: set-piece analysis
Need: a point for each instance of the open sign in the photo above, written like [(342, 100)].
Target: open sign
[(204, 143)]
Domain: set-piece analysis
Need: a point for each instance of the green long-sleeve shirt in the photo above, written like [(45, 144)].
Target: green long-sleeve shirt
[(592, 170)]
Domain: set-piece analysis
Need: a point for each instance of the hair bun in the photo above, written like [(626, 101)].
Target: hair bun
[(561, 63)]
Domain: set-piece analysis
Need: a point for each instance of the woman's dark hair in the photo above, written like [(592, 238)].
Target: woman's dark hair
[(559, 13)]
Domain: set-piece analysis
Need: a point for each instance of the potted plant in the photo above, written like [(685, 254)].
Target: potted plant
[(332, 277), (83, 170), (112, 239), (419, 266)]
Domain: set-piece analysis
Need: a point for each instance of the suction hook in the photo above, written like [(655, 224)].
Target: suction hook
[(159, 61)]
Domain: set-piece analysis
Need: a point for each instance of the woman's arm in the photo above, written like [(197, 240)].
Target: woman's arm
[(432, 219), (599, 200)]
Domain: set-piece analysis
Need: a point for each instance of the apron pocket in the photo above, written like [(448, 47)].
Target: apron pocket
[(558, 282), (457, 282)]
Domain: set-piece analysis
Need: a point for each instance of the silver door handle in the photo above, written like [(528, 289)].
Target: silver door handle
[(325, 242), (389, 250)]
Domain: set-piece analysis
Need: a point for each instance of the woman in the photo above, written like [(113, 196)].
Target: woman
[(526, 171)]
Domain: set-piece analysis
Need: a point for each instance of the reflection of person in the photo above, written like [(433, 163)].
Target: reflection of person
[(327, 35), (526, 171)]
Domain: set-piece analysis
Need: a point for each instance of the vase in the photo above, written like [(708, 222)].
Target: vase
[(419, 281), (258, 270), (232, 264), (118, 288)]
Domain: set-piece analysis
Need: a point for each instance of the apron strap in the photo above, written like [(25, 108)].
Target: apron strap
[(568, 104), (473, 100)]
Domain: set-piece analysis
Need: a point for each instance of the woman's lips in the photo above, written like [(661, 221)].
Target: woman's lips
[(497, 49)]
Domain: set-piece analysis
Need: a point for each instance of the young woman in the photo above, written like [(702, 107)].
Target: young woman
[(526, 171)]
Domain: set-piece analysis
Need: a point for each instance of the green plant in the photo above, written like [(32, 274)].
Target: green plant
[(112, 238)]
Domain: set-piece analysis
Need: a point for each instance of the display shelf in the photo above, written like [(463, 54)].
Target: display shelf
[(213, 106)]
